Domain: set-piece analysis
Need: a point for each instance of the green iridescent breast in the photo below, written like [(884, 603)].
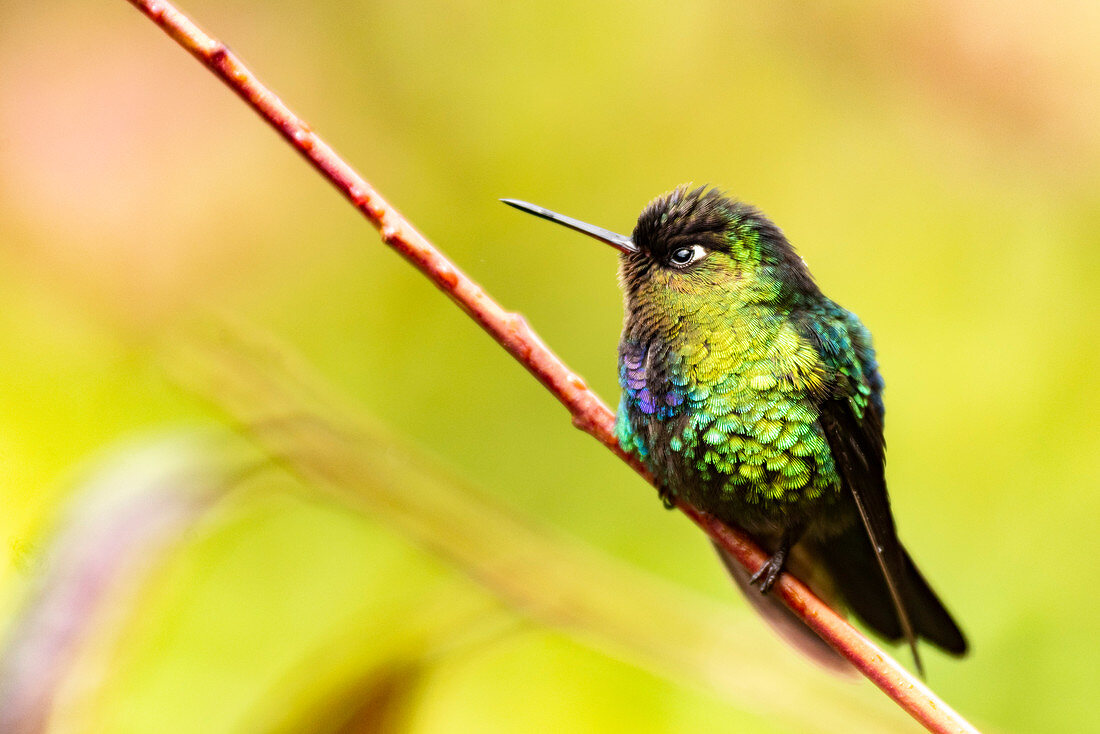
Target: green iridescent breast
[(729, 413)]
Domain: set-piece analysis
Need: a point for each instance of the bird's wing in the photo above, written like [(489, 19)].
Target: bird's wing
[(858, 450), (851, 419)]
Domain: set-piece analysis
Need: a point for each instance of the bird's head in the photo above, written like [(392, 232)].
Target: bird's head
[(696, 246)]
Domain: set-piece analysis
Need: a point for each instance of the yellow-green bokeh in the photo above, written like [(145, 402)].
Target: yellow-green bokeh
[(938, 165)]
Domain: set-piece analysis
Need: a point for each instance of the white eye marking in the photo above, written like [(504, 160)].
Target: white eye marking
[(681, 257)]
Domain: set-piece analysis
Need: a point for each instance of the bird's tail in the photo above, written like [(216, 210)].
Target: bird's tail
[(845, 573), (850, 562)]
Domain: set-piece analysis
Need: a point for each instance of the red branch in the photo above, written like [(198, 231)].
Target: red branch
[(512, 332)]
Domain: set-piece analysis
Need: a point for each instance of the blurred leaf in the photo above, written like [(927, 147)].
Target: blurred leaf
[(552, 579), (375, 688), (129, 511)]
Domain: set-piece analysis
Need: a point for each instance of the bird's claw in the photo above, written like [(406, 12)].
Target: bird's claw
[(765, 577), (668, 497)]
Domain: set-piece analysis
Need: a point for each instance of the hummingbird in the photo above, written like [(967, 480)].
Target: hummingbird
[(755, 398)]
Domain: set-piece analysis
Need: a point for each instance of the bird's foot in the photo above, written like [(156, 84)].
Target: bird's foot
[(769, 572), (668, 497)]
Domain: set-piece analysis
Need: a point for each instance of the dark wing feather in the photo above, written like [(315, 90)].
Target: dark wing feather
[(859, 452), (849, 558), (868, 563)]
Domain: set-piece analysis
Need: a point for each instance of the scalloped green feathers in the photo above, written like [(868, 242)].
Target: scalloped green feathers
[(739, 387)]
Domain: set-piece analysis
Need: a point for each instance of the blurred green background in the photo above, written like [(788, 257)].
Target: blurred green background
[(938, 166)]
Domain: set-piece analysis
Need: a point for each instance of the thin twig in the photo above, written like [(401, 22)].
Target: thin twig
[(512, 332)]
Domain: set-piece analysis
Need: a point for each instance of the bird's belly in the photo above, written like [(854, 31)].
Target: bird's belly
[(731, 424), (758, 506), (747, 468)]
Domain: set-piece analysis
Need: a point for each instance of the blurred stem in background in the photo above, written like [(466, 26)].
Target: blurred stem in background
[(551, 579), (126, 520)]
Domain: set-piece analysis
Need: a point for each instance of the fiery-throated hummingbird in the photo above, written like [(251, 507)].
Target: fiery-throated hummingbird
[(758, 400)]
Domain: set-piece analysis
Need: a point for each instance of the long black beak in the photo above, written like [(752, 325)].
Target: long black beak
[(618, 241)]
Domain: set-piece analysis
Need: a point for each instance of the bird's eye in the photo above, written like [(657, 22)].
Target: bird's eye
[(684, 256)]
